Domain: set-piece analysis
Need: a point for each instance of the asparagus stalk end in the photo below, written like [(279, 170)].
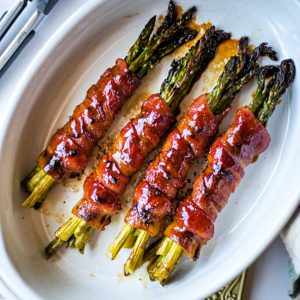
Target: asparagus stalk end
[(135, 258), (75, 232), (39, 185), (53, 247), (120, 240), (163, 265)]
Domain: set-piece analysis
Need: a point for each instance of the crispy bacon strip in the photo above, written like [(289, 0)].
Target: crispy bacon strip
[(247, 137), (154, 195), (70, 147), (137, 139), (193, 225), (103, 188)]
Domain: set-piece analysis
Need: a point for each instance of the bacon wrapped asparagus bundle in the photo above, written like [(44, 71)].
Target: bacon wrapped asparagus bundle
[(104, 186), (70, 147), (155, 194), (246, 138)]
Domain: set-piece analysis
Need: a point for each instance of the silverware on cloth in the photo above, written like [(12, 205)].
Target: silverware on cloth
[(291, 238), (43, 8)]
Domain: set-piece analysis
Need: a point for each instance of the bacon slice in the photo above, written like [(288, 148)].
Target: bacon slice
[(155, 194), (229, 155), (70, 147), (137, 139)]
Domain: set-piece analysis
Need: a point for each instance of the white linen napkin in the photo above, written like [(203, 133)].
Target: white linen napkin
[(291, 238)]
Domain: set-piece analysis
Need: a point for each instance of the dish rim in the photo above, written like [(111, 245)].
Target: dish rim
[(21, 87)]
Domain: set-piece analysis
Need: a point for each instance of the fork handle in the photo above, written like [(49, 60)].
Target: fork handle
[(30, 25), (10, 15)]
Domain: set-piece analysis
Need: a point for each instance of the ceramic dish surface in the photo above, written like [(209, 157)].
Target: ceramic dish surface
[(56, 82)]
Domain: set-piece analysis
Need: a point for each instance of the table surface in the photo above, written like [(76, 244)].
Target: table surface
[(267, 277)]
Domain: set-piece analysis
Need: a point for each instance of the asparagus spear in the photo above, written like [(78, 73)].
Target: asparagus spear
[(237, 72), (145, 53), (178, 83), (263, 105)]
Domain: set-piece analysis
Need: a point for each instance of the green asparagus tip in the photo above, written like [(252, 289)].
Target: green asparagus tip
[(239, 70), (275, 89), (187, 70), (151, 47)]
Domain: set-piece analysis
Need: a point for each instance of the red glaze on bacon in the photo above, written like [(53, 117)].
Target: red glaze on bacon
[(137, 139), (154, 195), (70, 147), (194, 220)]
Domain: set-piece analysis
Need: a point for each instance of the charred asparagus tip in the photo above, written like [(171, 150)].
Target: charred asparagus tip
[(162, 267), (275, 89), (53, 247), (40, 189), (118, 243), (150, 48), (135, 258)]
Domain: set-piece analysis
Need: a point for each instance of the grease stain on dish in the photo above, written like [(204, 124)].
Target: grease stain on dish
[(131, 108), (201, 28), (131, 15), (121, 278), (224, 52), (73, 185), (144, 278), (48, 211)]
